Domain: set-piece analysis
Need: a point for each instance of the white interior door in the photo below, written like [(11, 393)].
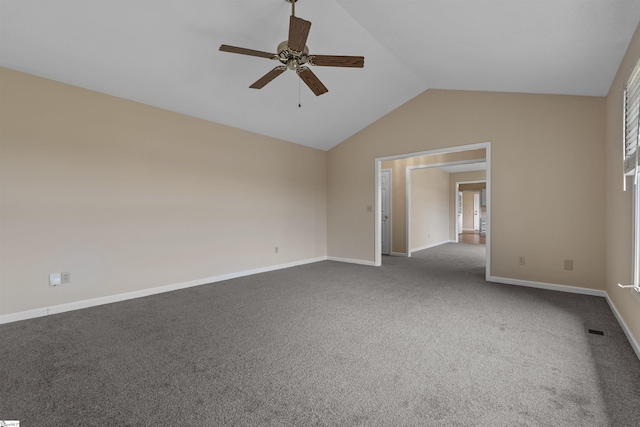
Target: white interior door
[(476, 211), (385, 214), (459, 215)]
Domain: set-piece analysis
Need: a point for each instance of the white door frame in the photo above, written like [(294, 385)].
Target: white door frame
[(378, 166)]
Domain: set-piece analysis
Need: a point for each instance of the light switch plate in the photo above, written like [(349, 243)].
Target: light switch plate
[(55, 279)]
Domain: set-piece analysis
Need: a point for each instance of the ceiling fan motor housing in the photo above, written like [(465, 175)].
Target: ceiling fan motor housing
[(292, 59)]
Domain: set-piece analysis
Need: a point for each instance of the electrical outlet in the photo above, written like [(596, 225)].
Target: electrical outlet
[(369, 208), (520, 260), (568, 264), (65, 277), (55, 279), (276, 249)]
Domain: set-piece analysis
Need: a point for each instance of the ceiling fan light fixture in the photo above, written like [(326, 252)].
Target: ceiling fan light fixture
[(293, 64)]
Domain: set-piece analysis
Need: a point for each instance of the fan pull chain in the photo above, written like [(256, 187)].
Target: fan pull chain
[(299, 103)]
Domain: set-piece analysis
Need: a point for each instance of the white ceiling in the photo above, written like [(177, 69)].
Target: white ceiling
[(165, 53)]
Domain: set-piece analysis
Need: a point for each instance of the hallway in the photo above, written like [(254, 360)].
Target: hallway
[(472, 237)]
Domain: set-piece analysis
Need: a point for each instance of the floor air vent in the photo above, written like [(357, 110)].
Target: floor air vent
[(596, 332)]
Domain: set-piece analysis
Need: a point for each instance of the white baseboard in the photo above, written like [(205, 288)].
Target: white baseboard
[(625, 328), (432, 245), (575, 290), (549, 286), (24, 315), (77, 305), (352, 261)]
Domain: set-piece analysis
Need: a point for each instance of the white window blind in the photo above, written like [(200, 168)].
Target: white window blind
[(631, 117)]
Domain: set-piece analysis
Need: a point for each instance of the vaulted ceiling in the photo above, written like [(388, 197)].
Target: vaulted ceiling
[(165, 54)]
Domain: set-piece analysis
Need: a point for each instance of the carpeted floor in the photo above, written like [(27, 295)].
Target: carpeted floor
[(420, 341)]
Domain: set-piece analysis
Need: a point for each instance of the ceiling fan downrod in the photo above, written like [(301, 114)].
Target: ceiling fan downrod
[(293, 59), (293, 6)]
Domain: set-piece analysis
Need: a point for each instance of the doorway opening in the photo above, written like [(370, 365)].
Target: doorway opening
[(471, 212), (412, 169)]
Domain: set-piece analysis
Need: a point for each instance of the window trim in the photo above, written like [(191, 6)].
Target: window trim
[(636, 232), (631, 154)]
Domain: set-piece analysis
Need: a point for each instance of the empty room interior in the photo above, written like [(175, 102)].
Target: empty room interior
[(444, 231)]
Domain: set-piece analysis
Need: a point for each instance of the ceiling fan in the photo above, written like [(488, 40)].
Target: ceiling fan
[(293, 54)]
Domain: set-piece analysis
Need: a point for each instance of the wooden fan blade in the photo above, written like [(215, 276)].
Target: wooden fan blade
[(312, 81), (268, 77), (298, 33), (243, 51), (337, 61)]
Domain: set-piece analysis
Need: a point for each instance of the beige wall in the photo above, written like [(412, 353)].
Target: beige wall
[(473, 186), (462, 177), (429, 215), (541, 146), (127, 197), (619, 229), (399, 187)]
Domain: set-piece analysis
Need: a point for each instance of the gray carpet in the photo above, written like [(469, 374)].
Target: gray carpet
[(420, 341)]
